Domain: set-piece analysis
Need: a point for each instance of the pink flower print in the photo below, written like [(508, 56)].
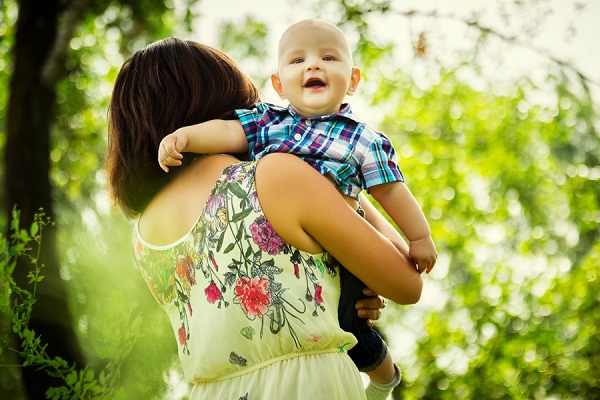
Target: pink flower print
[(253, 295), (265, 236), (318, 297), (297, 271), (182, 336), (214, 263), (213, 204), (190, 308), (212, 293)]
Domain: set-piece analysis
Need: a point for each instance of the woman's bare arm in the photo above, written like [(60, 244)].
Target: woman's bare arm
[(308, 212)]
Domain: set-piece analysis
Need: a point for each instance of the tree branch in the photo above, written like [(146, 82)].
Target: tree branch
[(54, 68)]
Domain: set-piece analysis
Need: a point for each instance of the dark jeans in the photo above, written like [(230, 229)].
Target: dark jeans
[(370, 351)]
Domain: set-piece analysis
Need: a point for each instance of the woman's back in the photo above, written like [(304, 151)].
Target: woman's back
[(249, 310)]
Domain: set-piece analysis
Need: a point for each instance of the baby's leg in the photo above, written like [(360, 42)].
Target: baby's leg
[(352, 202), (386, 376), (385, 372), (384, 379)]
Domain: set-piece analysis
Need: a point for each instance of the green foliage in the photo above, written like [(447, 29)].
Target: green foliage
[(354, 16), (509, 184), (248, 42), (98, 264), (8, 14), (79, 132), (510, 189), (16, 304)]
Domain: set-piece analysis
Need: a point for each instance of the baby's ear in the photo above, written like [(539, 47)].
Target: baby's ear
[(354, 80), (276, 82)]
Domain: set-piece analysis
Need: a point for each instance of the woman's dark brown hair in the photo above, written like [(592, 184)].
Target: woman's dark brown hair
[(169, 84)]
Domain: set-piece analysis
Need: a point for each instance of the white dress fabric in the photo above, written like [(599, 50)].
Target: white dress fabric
[(254, 317)]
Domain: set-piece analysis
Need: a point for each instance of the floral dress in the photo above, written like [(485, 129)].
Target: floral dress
[(254, 317)]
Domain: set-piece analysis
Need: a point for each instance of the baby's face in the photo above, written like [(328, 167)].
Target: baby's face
[(315, 68)]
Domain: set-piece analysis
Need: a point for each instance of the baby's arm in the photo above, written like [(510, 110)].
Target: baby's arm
[(397, 200), (215, 136), (383, 226)]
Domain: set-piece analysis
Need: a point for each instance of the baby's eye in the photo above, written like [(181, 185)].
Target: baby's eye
[(297, 60), (328, 58)]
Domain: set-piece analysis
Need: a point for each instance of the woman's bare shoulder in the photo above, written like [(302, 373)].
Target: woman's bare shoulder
[(289, 189), (176, 208), (290, 170)]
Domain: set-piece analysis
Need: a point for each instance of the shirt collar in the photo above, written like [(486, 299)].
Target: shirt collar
[(344, 112)]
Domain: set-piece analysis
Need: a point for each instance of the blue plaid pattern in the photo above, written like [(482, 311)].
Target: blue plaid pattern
[(354, 155)]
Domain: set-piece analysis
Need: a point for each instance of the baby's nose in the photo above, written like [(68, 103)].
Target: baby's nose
[(313, 65)]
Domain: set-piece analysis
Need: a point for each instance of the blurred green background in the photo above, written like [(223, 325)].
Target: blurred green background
[(492, 107)]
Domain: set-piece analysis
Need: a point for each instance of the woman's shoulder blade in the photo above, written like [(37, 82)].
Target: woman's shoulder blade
[(174, 211)]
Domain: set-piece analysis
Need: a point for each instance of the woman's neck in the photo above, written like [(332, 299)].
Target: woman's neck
[(172, 213)]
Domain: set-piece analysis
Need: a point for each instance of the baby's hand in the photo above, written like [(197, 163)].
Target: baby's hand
[(423, 253), (170, 148)]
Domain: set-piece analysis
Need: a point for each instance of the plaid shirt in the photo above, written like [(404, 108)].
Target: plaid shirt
[(339, 145)]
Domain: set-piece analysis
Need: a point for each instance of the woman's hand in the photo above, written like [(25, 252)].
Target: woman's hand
[(370, 307)]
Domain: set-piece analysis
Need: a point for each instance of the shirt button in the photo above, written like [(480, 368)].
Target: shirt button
[(308, 122), (297, 136)]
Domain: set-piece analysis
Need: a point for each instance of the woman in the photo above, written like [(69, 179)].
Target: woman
[(241, 255)]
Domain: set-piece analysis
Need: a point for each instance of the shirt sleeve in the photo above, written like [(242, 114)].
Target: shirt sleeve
[(380, 162), (249, 120)]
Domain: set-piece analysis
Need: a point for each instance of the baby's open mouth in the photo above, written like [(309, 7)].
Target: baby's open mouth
[(314, 82)]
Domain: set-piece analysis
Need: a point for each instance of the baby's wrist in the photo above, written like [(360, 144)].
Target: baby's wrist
[(420, 239)]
